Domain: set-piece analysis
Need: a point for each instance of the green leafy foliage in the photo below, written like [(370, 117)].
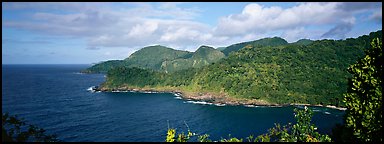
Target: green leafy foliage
[(231, 139), (302, 131), (204, 138), (16, 130), (171, 136), (137, 77), (364, 97), (313, 74)]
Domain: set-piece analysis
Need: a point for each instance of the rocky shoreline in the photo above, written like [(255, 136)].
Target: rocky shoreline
[(220, 99)]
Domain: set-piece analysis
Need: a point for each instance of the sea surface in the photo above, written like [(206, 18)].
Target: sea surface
[(55, 97)]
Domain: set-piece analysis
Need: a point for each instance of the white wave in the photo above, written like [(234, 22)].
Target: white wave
[(178, 98), (316, 110), (275, 106), (150, 92), (200, 102), (250, 106), (92, 89), (220, 104), (327, 113), (177, 95), (119, 91)]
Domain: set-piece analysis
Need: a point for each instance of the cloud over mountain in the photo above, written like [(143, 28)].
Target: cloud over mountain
[(183, 25)]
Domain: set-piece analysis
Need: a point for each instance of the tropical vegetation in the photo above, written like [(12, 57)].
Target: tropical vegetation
[(315, 73), (302, 131)]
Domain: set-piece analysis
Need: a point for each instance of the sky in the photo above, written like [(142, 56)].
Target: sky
[(87, 33)]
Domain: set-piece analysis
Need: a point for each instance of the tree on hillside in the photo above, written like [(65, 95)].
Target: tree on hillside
[(364, 97)]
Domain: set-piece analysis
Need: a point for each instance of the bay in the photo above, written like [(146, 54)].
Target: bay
[(55, 97)]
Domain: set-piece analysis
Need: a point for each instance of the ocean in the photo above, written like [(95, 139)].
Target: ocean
[(55, 97)]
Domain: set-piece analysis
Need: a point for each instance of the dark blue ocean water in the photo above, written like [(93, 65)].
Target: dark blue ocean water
[(55, 97)]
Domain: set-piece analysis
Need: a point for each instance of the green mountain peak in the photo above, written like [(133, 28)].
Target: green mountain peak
[(274, 41)]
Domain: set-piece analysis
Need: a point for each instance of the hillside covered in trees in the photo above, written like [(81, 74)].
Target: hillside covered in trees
[(203, 56), (275, 41), (313, 72), (164, 59)]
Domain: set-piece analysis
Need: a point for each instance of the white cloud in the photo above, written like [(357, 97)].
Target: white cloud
[(143, 30), (164, 10), (67, 6), (259, 19), (111, 27), (104, 25), (256, 19), (293, 35)]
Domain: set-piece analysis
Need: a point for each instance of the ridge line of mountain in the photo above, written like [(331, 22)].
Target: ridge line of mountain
[(315, 73)]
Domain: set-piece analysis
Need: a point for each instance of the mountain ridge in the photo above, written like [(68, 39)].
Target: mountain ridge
[(308, 74)]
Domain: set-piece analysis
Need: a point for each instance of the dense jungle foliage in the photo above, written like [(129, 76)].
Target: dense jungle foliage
[(302, 131), (315, 73), (163, 59), (362, 122)]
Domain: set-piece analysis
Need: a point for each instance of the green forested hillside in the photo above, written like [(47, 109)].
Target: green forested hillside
[(153, 56), (275, 41), (315, 73), (284, 74), (204, 55), (150, 57), (103, 67), (160, 58), (303, 42)]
